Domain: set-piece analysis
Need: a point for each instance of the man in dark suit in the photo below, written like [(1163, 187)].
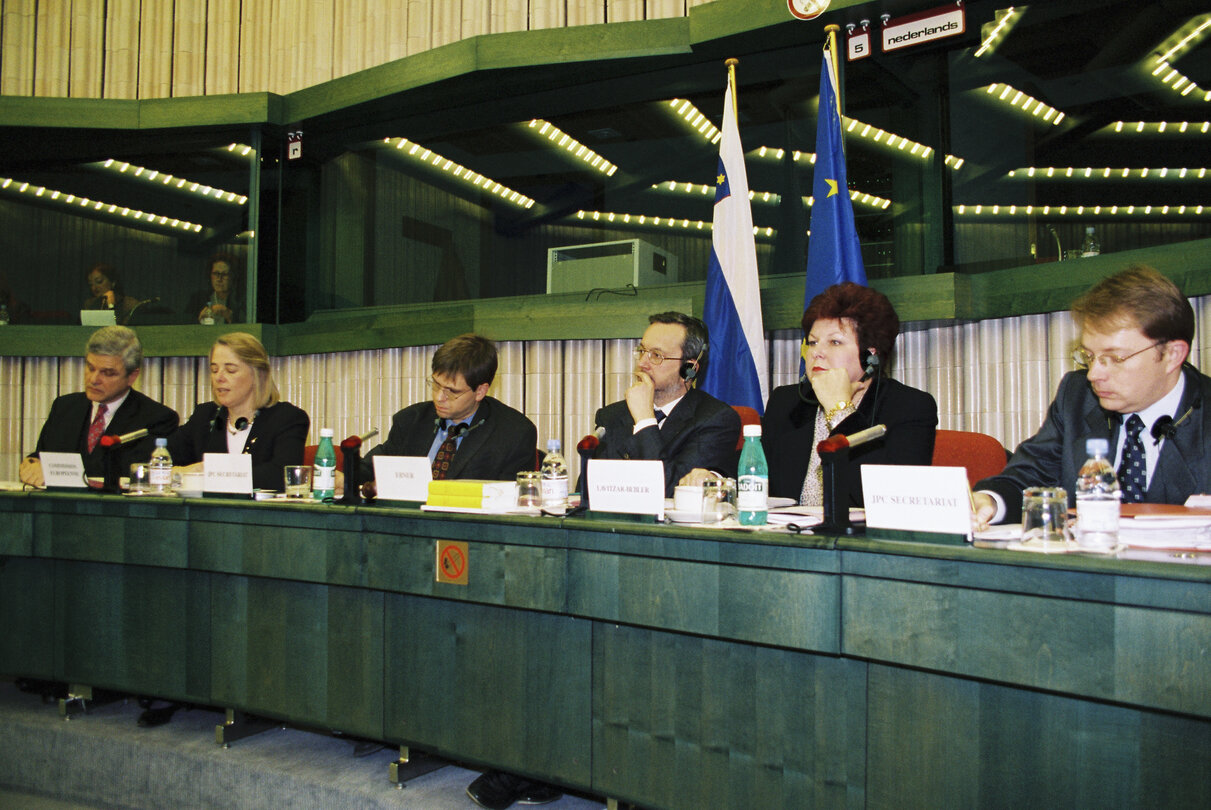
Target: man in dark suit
[(664, 416), (108, 405), (488, 439), (1135, 389)]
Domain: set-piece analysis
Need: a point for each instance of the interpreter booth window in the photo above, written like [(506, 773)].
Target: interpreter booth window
[(1013, 143), (126, 227)]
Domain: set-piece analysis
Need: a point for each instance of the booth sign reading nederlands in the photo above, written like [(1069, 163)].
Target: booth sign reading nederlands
[(926, 26)]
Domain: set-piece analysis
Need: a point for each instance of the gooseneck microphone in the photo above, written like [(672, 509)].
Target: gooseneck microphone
[(840, 442), (1166, 427), (241, 423), (113, 440)]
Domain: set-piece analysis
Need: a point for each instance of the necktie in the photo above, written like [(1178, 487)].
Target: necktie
[(660, 417), (97, 427), (1133, 469), (445, 453)]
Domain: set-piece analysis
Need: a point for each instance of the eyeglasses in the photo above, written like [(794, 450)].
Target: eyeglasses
[(655, 356), (450, 393), (220, 274), (1084, 357)]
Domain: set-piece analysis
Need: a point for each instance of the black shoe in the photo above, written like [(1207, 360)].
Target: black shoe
[(150, 718), (540, 793), (496, 790)]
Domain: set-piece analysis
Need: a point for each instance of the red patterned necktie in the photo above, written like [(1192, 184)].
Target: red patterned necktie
[(97, 427), (445, 453)]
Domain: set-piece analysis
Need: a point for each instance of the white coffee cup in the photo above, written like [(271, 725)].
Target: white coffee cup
[(687, 499)]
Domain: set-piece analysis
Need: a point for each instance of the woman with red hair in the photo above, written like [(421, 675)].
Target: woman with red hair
[(849, 333)]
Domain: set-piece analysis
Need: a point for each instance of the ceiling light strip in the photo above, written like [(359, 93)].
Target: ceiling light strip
[(1160, 127), (165, 179), (460, 172), (694, 117), (1083, 210), (644, 220), (772, 198), (1009, 18), (574, 147), (1108, 173), (1027, 103), (65, 199)]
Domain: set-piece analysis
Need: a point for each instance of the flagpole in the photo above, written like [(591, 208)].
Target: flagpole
[(731, 84), (831, 30)]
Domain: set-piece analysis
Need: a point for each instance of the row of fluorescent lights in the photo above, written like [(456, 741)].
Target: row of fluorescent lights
[(668, 223), (771, 197), (574, 147), (1107, 172), (1026, 102), (1082, 210), (63, 198), (460, 172), (1174, 47), (164, 178), (1000, 30), (1162, 127)]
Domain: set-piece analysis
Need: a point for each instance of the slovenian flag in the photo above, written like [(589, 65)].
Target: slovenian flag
[(833, 252), (737, 372)]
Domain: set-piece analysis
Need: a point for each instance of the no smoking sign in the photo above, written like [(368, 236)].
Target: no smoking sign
[(451, 563)]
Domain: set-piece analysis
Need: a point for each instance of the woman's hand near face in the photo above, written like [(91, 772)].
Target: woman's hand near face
[(832, 385)]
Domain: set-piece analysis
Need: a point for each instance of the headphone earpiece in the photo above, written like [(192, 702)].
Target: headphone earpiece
[(872, 366), (689, 370)]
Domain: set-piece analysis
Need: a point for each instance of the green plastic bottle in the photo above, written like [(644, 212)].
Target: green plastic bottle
[(752, 483), (323, 470)]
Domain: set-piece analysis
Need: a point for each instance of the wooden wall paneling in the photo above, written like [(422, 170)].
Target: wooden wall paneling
[(420, 26), (447, 19), (376, 37), (39, 389), (11, 374), (586, 12), (624, 10), (545, 391), (256, 48), (583, 382), (662, 9), (122, 49), (52, 51), (222, 46), (475, 18), (312, 58), (189, 48), (394, 17), (87, 48), (155, 49), (548, 14), (17, 26), (510, 15)]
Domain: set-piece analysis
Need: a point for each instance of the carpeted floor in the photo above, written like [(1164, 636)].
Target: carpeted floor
[(104, 760)]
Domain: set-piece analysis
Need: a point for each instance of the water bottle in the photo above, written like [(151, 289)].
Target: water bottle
[(752, 481), (207, 318), (554, 478), (1091, 246), (323, 469), (1097, 500), (159, 469), (4, 315)]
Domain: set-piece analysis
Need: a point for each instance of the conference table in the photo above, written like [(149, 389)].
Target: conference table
[(663, 665)]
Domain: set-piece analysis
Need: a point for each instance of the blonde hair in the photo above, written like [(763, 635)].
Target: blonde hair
[(251, 351)]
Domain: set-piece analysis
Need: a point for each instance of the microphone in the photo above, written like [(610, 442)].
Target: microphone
[(112, 440), (1163, 428), (354, 442), (220, 413), (590, 442), (839, 442), (241, 423)]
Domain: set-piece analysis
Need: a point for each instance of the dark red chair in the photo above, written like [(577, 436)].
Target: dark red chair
[(748, 416), (980, 454)]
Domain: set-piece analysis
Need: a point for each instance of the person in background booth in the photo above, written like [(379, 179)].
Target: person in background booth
[(1136, 330), (108, 404), (247, 415), (107, 293), (219, 302), (849, 333)]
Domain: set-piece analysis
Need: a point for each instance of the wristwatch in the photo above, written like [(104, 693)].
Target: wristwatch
[(831, 414)]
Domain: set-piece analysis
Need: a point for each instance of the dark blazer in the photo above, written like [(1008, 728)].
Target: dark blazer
[(66, 429), (198, 300), (1053, 456), (124, 304), (278, 435), (700, 432), (501, 442), (789, 423)]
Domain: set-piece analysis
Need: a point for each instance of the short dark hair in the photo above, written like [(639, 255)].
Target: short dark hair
[(110, 272), (696, 345), (1138, 296), (473, 356), (228, 260), (874, 319)]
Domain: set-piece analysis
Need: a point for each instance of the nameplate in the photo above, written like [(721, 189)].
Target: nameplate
[(930, 500), (402, 478), (629, 487), (228, 473), (63, 470)]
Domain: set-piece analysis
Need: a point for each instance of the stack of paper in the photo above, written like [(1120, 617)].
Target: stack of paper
[(490, 496)]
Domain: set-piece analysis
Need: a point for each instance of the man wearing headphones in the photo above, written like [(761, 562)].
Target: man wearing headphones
[(664, 416)]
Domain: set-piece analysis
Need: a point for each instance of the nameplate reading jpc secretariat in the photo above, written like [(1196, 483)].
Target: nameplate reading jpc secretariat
[(452, 562)]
